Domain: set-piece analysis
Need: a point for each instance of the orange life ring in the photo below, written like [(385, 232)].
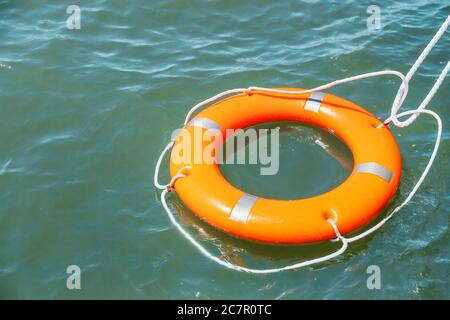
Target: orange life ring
[(372, 183)]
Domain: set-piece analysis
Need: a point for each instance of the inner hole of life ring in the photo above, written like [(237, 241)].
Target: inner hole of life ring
[(306, 161)]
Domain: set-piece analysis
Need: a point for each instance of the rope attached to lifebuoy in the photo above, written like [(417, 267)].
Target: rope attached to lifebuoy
[(394, 118)]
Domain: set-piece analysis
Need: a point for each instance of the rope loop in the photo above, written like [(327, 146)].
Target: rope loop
[(336, 229), (158, 166), (180, 174), (235, 267)]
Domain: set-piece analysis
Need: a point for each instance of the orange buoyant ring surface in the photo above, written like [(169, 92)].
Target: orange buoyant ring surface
[(373, 182)]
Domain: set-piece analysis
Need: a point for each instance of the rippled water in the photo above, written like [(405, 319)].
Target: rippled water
[(86, 112)]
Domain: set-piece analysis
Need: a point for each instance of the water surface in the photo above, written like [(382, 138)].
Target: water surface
[(86, 112)]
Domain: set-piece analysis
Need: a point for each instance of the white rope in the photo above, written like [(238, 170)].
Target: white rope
[(319, 88), (158, 165), (400, 97), (398, 101), (418, 183), (235, 267)]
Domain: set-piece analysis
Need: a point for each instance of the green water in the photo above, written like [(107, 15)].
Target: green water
[(85, 113)]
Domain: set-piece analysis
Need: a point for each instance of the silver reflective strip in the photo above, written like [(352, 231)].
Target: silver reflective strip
[(314, 101), (242, 208), (376, 169), (205, 123)]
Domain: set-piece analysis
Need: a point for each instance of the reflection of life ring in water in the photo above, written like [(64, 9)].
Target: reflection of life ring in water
[(373, 182)]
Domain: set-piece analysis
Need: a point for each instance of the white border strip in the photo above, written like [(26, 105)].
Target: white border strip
[(242, 208), (376, 169), (314, 101), (205, 123)]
